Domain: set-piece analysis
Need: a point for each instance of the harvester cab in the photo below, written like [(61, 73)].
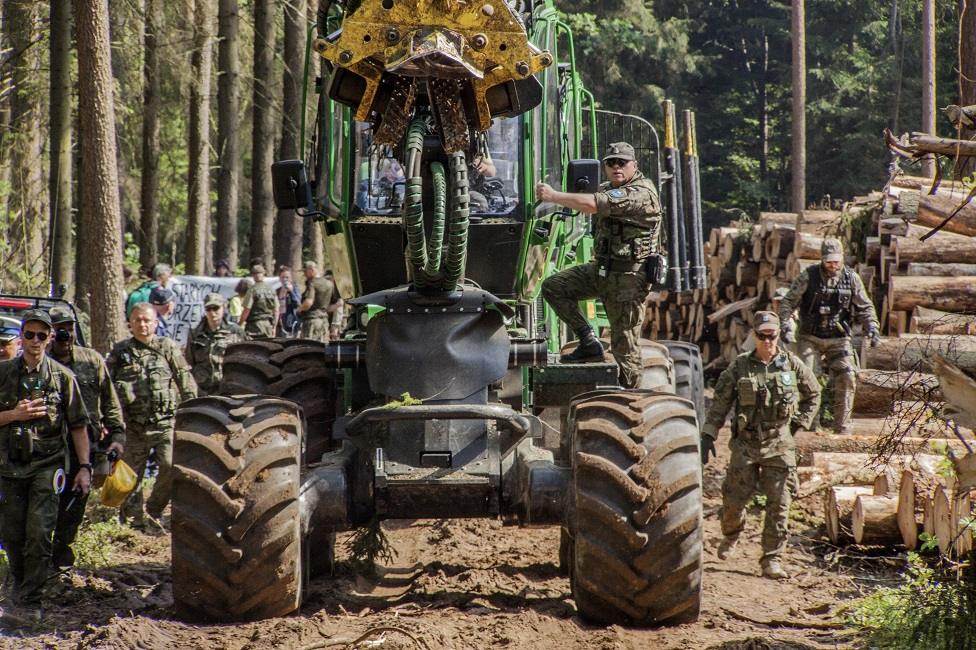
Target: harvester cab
[(435, 122)]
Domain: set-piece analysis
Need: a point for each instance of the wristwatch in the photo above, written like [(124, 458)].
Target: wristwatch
[(86, 466)]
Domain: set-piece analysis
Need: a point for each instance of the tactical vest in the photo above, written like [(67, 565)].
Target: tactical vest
[(145, 382), (206, 352), (825, 312), (621, 241), (41, 439), (767, 401), (264, 303)]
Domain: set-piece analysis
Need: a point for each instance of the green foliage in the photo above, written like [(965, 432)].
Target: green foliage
[(932, 609), (97, 540), (405, 400), (367, 545), (929, 542)]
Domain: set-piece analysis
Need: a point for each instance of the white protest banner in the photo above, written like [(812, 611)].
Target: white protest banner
[(190, 292)]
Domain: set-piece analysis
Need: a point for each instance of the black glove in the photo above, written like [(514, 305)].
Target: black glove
[(707, 447), (875, 337)]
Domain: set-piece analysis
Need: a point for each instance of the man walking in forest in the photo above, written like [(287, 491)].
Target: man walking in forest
[(208, 342), (260, 315), (158, 277), (105, 425), (628, 222), (831, 298), (319, 304), (39, 402), (164, 302), (151, 378), (774, 393)]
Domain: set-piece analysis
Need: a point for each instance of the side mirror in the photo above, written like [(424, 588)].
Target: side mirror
[(290, 184), (583, 175)]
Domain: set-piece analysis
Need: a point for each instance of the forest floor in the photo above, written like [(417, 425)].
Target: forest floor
[(477, 584)]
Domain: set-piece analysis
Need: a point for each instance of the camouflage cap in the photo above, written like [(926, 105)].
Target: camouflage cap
[(765, 321), (832, 251), (310, 265), (61, 314), (214, 298), (622, 150), (257, 268), (36, 315)]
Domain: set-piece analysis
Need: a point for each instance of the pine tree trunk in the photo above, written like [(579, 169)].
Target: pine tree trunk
[(62, 250), (228, 140), (967, 76), (198, 208), (263, 135), (798, 186), (928, 80), (288, 225), (29, 236), (149, 195), (99, 201)]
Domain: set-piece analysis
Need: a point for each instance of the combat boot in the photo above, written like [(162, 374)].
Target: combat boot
[(773, 570), (727, 548), (589, 349)]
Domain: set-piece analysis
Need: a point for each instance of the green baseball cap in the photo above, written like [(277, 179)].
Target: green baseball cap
[(622, 150), (37, 315)]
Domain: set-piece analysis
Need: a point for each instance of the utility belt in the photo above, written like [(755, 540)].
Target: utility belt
[(760, 434)]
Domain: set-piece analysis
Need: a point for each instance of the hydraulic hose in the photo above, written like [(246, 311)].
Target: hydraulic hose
[(457, 238), (439, 181), (413, 203)]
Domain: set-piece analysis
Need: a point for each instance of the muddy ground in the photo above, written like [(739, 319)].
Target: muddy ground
[(476, 584)]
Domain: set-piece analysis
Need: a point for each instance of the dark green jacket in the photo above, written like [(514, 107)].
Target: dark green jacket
[(98, 393), (628, 220), (48, 436), (205, 352)]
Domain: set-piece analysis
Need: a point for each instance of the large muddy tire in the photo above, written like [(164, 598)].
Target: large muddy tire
[(636, 509), (689, 375), (237, 541), (658, 370), (292, 369)]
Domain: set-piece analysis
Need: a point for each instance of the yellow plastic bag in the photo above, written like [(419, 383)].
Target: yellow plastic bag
[(120, 482)]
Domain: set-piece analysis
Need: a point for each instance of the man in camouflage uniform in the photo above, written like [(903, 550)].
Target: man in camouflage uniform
[(208, 342), (774, 393), (628, 213), (831, 298), (39, 404), (105, 425), (151, 378), (318, 308), (260, 315)]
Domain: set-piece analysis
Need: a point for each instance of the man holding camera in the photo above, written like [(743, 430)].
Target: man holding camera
[(105, 424), (628, 224), (39, 403)]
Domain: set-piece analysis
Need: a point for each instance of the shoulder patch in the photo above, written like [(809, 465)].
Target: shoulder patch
[(617, 193), (787, 378)]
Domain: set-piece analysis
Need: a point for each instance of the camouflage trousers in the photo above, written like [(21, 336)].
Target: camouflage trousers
[(623, 297), (139, 441), (316, 329), (774, 477), (259, 328), (29, 511), (836, 356)]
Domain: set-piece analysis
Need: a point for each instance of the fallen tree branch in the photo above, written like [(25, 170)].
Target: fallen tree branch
[(785, 622)]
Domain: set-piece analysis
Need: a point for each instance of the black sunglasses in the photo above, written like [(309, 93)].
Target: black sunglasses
[(616, 162), (41, 336), (212, 307), (767, 337)]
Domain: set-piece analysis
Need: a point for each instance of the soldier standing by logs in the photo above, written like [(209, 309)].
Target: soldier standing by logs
[(319, 305), (40, 404), (628, 222), (774, 393), (260, 315), (208, 342), (105, 424), (831, 298), (151, 378)]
